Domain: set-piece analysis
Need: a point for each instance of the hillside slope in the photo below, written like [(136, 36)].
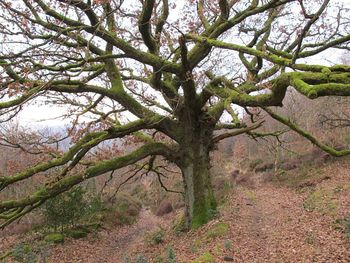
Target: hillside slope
[(301, 215)]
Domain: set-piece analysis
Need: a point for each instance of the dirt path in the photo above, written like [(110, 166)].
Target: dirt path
[(110, 245), (267, 223), (273, 226)]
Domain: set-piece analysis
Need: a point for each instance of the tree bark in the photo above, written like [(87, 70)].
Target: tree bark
[(200, 204)]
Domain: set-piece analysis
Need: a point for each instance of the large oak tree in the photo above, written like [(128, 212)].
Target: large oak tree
[(183, 71)]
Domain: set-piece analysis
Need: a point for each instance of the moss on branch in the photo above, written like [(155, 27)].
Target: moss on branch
[(306, 135), (87, 142), (26, 204), (310, 84)]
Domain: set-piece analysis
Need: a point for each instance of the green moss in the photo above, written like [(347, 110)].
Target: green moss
[(207, 257), (54, 238), (218, 230), (179, 224), (202, 217), (343, 224), (321, 201), (204, 207), (77, 233), (312, 94), (326, 71), (304, 88), (250, 195)]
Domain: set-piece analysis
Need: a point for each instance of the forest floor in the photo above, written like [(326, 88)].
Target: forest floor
[(304, 218)]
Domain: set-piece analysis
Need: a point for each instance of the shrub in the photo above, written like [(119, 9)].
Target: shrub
[(344, 225), (126, 259), (164, 208), (141, 259), (171, 256), (71, 208), (159, 259), (228, 244), (155, 237), (310, 238), (29, 254), (179, 224), (65, 209), (255, 163), (24, 253), (124, 210)]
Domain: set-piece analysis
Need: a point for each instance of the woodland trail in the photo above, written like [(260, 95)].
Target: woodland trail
[(267, 223), (110, 245), (271, 225)]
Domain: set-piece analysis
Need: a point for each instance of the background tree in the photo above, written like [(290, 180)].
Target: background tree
[(171, 77)]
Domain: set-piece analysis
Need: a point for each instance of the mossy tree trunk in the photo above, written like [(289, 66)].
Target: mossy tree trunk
[(200, 202)]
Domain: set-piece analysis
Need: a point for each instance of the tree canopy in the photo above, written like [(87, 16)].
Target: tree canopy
[(174, 75)]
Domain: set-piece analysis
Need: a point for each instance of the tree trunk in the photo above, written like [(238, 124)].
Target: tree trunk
[(200, 202)]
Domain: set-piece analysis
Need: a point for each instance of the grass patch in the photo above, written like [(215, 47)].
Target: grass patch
[(155, 237), (206, 257), (77, 233), (343, 224), (217, 230), (310, 238), (179, 224), (297, 177), (55, 238), (27, 253), (321, 201), (250, 195)]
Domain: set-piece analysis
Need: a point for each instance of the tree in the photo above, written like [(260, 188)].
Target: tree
[(148, 67)]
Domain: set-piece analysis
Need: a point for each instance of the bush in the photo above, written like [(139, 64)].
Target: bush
[(171, 256), (141, 259), (125, 210), (179, 224), (24, 253), (155, 237), (65, 209), (255, 163), (70, 208), (29, 254), (138, 259), (164, 208), (344, 225), (228, 244)]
